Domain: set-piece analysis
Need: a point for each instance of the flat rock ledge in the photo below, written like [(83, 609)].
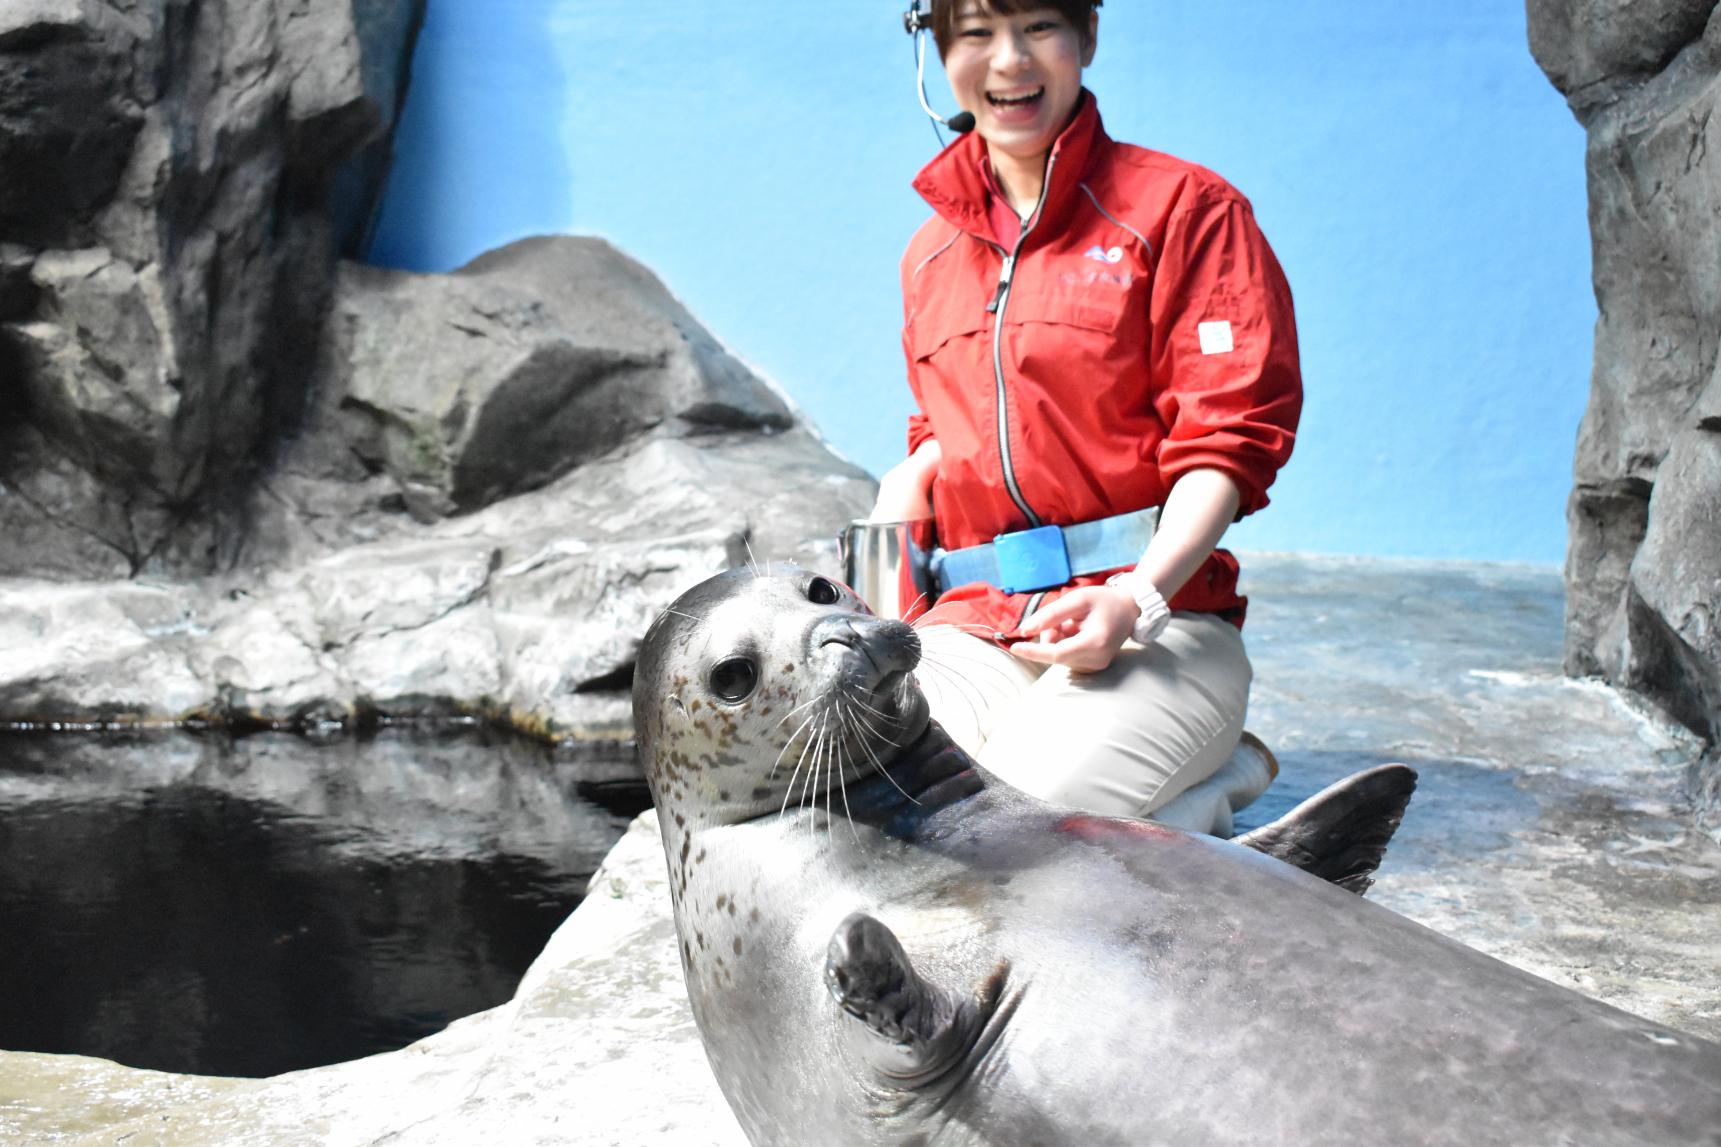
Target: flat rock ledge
[(1552, 830), (528, 612)]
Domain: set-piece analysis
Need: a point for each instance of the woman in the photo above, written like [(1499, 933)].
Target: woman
[(1094, 331)]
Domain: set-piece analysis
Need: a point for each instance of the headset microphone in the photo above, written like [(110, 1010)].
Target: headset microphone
[(918, 20)]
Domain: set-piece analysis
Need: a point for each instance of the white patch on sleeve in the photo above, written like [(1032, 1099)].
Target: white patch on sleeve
[(1215, 337)]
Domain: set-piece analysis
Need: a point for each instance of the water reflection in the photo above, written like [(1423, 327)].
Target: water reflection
[(251, 907)]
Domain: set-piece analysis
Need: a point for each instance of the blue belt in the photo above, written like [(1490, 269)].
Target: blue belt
[(1048, 556)]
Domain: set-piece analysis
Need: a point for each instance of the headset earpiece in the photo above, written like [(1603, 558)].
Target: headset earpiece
[(918, 21)]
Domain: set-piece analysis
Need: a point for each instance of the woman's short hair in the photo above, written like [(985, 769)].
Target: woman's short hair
[(944, 15)]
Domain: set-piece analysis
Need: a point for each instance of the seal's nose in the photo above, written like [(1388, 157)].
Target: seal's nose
[(891, 646)]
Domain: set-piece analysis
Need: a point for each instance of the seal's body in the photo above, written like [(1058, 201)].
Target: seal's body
[(883, 945)]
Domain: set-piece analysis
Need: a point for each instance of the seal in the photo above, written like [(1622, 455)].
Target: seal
[(884, 945)]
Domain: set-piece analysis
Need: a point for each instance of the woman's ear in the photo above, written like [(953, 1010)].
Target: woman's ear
[(1091, 40)]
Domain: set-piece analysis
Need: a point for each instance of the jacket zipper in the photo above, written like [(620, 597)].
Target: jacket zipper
[(996, 308)]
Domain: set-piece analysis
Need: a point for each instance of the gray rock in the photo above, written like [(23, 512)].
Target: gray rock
[(1584, 43), (525, 363), (529, 611), (100, 367), (53, 513), (168, 255), (68, 115), (1645, 78), (1675, 606)]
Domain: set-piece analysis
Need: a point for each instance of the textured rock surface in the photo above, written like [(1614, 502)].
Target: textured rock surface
[(530, 609), (1644, 566), (527, 362), (167, 243), (497, 478), (1547, 831)]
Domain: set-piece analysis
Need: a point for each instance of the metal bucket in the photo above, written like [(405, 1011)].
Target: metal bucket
[(889, 564)]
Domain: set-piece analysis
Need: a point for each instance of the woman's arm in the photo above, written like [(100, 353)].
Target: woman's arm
[(1197, 512), (905, 491), (1086, 627)]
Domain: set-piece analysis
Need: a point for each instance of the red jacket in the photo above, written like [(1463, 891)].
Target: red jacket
[(1146, 330)]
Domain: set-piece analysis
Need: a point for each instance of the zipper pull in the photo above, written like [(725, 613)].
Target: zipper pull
[(1003, 284)]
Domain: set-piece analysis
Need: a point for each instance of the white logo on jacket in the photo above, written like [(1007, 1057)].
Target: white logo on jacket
[(1115, 255), (1215, 337)]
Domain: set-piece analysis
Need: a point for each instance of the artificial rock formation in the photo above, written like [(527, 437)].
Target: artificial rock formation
[(179, 176), (1643, 571), (244, 480)]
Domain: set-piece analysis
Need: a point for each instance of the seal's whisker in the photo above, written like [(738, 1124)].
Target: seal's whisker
[(790, 741), (874, 730), (830, 759), (949, 628), (813, 772), (949, 657), (787, 717), (789, 791), (970, 671), (871, 708), (811, 796), (878, 765), (698, 622), (752, 562), (957, 686), (808, 749), (860, 706), (816, 748), (843, 785)]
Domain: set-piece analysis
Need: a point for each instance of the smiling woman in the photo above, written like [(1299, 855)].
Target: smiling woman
[(1085, 434)]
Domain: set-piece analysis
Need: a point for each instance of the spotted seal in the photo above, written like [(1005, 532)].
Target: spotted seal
[(884, 945)]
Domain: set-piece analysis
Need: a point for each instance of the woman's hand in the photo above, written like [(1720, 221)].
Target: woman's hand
[(1083, 629), (905, 491)]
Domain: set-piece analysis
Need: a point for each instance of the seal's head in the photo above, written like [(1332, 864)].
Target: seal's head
[(764, 688)]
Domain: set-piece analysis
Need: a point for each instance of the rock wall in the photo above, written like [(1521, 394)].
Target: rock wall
[(244, 480), (169, 226), (1643, 572)]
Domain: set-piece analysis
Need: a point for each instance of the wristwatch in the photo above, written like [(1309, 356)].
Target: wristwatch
[(1155, 614)]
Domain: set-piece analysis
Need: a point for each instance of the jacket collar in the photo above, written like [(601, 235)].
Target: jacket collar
[(954, 185)]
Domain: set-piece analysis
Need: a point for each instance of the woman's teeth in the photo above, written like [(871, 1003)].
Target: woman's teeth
[(1015, 101)]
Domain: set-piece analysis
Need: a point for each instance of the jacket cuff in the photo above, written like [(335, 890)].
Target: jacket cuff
[(1251, 481), (919, 431)]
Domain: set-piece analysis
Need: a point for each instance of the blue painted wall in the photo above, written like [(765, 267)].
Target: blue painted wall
[(1420, 180)]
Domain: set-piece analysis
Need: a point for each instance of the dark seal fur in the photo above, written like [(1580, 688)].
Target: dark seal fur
[(884, 945)]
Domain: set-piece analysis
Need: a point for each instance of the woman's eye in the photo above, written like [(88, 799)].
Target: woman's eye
[(822, 592), (733, 679)]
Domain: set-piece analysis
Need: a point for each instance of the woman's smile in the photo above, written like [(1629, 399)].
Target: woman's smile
[(1019, 74), (1016, 106)]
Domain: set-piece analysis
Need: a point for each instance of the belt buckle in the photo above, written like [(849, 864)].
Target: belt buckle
[(1031, 559)]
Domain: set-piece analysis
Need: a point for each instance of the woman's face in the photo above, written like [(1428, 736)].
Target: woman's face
[(1019, 74)]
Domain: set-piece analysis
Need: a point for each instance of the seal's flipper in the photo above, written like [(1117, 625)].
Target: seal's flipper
[(907, 1028), (1341, 832)]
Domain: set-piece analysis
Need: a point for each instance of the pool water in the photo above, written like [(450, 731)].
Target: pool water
[(252, 906)]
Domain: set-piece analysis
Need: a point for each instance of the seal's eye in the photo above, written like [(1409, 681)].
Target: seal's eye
[(822, 592), (733, 679)]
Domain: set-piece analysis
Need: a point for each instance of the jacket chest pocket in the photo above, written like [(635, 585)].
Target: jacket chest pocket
[(1085, 308), (936, 322), (1077, 341)]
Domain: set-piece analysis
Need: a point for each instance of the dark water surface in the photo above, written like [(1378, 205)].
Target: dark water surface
[(199, 904)]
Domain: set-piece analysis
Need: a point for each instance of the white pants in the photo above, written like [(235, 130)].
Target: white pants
[(1123, 741)]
